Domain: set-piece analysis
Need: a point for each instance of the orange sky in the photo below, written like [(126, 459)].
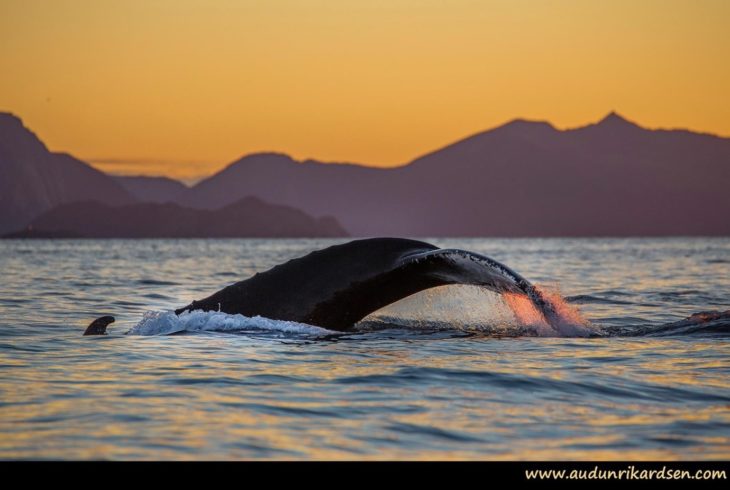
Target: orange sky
[(183, 87)]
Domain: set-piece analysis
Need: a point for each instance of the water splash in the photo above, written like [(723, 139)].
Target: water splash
[(476, 309), (168, 323), (527, 314), (567, 322), (459, 308)]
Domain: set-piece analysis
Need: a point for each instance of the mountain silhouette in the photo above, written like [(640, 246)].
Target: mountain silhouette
[(248, 217), (33, 180), (524, 178), (152, 189)]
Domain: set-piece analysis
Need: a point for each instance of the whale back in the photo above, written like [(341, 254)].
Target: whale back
[(338, 286)]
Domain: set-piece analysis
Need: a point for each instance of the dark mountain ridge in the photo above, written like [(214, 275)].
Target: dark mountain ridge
[(33, 179), (524, 178), (248, 217)]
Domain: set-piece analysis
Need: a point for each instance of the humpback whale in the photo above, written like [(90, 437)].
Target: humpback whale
[(338, 286)]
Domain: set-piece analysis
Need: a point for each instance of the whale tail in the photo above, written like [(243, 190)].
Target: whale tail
[(336, 287), (98, 326)]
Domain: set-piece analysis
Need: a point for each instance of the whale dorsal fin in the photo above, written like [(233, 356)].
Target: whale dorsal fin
[(98, 326)]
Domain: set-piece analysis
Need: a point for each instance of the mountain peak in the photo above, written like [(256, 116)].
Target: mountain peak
[(13, 133), (11, 122), (516, 127), (9, 117), (528, 124), (614, 119), (264, 156)]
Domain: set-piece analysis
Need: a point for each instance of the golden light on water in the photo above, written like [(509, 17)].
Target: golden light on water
[(225, 407)]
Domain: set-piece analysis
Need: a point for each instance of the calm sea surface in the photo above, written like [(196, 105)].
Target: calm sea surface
[(451, 374)]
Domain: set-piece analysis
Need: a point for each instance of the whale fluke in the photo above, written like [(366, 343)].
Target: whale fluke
[(98, 326), (338, 286)]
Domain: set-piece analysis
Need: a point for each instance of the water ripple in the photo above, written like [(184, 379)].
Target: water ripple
[(449, 379)]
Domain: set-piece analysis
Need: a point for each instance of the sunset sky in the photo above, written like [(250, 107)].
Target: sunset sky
[(183, 87)]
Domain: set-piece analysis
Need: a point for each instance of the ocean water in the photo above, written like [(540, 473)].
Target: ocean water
[(452, 373)]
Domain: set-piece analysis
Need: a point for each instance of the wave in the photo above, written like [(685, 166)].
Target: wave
[(592, 299), (711, 323)]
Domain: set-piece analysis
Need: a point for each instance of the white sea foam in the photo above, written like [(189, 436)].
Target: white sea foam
[(167, 323)]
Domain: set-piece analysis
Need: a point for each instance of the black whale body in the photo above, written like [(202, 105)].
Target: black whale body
[(340, 285)]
